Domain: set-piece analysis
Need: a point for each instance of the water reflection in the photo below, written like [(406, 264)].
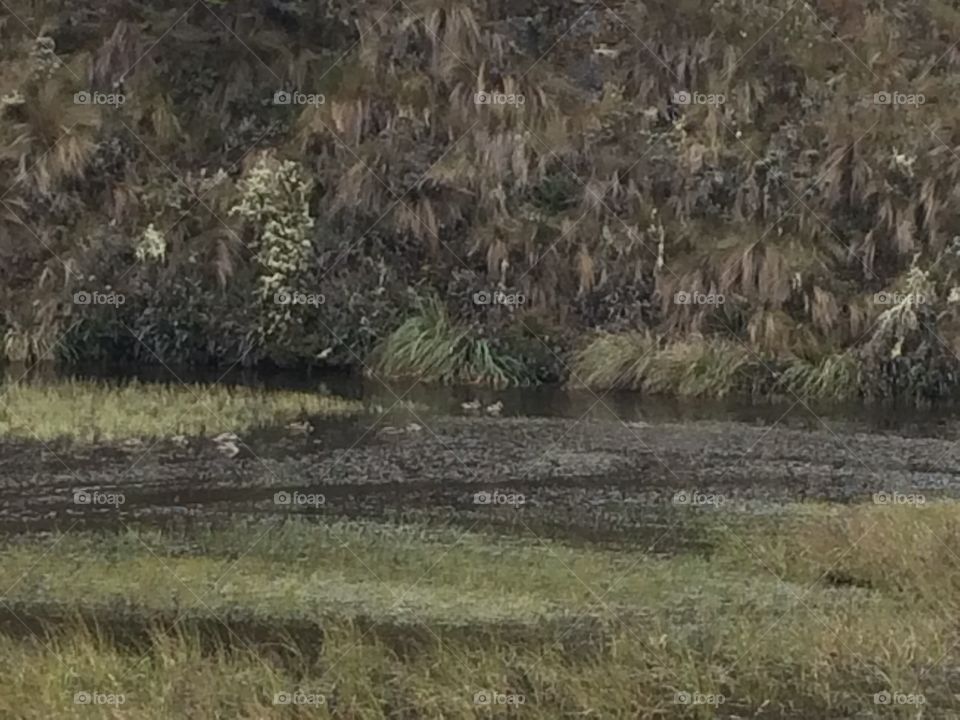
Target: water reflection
[(549, 401)]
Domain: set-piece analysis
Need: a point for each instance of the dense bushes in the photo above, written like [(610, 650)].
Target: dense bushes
[(793, 159)]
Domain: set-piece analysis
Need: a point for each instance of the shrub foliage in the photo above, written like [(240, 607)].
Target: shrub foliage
[(795, 158)]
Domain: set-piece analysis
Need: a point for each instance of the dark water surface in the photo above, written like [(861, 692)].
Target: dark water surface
[(941, 420)]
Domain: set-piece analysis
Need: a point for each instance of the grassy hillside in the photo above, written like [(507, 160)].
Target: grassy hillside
[(506, 182)]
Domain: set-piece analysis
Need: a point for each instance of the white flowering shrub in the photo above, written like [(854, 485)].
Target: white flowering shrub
[(906, 355), (909, 308), (152, 245), (43, 58), (274, 200)]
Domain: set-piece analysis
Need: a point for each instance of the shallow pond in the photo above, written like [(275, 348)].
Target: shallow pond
[(587, 465), (546, 401)]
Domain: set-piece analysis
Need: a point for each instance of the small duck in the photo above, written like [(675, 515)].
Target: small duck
[(227, 444), (229, 449), (494, 409), (471, 406), (301, 427), (409, 427), (180, 440)]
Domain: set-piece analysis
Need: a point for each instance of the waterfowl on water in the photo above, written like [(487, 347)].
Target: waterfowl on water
[(227, 444), (410, 427), (229, 448), (471, 406), (495, 408), (302, 427)]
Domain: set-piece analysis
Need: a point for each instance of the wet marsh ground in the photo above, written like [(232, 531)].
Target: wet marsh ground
[(418, 565), (89, 411)]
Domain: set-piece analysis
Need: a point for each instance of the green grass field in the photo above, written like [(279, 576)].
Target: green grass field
[(810, 616)]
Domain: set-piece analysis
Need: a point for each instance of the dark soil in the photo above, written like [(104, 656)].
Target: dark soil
[(586, 479)]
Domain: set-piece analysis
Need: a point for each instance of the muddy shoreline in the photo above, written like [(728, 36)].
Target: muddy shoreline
[(590, 479)]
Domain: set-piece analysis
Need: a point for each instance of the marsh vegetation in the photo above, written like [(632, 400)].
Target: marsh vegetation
[(508, 186), (416, 573), (384, 622), (89, 411), (735, 200)]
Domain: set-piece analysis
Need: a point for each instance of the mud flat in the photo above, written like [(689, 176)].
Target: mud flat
[(593, 479)]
